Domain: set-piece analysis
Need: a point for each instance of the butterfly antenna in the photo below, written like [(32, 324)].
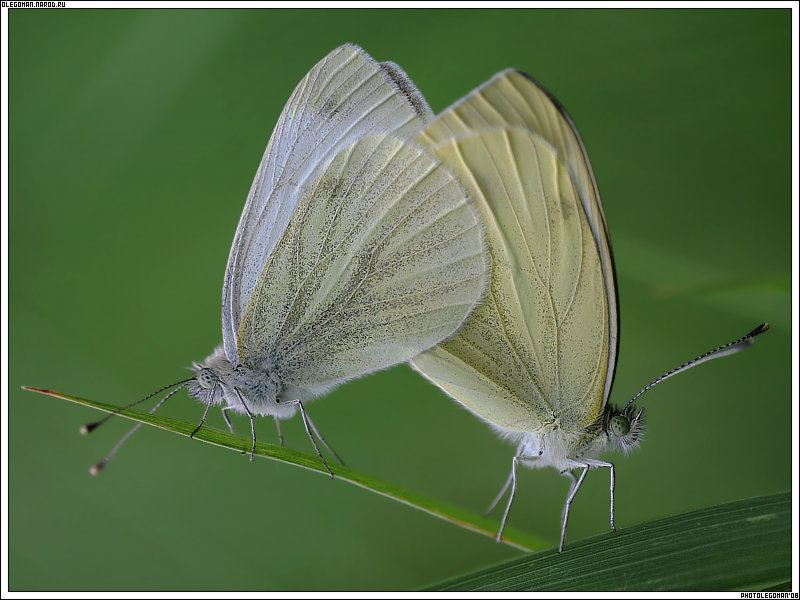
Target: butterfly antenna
[(89, 427), (95, 469), (730, 348)]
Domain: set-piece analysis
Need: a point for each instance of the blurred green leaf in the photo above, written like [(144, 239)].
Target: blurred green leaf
[(743, 546), (442, 510), (133, 142)]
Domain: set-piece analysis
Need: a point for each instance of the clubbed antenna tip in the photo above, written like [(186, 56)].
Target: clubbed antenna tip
[(725, 350), (89, 427), (86, 429), (95, 469)]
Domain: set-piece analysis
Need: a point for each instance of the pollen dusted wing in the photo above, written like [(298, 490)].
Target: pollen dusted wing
[(383, 259), (539, 343), (345, 97), (512, 99)]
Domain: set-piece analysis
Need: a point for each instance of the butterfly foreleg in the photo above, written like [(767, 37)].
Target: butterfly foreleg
[(610, 466), (205, 414), (252, 423), (576, 484), (227, 419), (513, 479), (309, 426), (500, 494)]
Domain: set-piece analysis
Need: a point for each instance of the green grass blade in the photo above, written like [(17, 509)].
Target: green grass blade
[(783, 586), (743, 546), (442, 510)]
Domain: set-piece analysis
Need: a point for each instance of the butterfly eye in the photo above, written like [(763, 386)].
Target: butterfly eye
[(619, 426), (207, 378)]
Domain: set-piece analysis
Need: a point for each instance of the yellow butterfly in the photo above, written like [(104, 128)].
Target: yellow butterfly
[(536, 359)]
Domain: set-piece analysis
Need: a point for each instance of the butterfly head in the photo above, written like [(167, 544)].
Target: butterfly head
[(624, 428), (245, 389), (209, 377)]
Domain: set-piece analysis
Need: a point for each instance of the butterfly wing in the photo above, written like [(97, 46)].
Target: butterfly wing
[(384, 258), (545, 339), (345, 97)]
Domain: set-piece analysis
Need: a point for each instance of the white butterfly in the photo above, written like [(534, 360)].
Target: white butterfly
[(536, 360), (356, 249)]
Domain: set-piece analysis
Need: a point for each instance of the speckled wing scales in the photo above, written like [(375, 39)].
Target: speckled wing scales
[(545, 338), (345, 97), (384, 258)]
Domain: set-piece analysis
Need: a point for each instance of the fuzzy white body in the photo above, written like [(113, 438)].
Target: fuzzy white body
[(258, 391), (552, 447)]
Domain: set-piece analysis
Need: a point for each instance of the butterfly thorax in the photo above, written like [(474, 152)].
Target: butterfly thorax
[(245, 389), (562, 446), (559, 448)]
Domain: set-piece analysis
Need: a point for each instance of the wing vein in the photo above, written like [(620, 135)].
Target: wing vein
[(352, 255), (312, 269)]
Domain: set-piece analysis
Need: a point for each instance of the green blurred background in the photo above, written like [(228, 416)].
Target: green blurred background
[(134, 137)]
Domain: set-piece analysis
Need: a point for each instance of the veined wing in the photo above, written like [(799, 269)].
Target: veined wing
[(539, 343), (514, 99), (384, 258), (345, 97)]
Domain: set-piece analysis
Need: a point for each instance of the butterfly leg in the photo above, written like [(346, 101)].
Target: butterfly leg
[(514, 462), (252, 424), (500, 495), (311, 437), (602, 463), (505, 486), (203, 420), (322, 439), (576, 484), (227, 420), (280, 433)]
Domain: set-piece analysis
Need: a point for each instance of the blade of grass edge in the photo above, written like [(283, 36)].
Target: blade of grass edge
[(452, 514), (743, 546)]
